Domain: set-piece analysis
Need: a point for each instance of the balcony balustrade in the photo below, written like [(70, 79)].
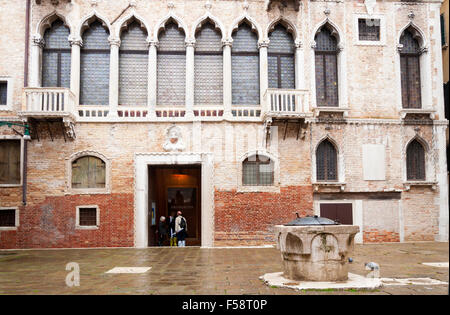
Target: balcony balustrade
[(286, 104)]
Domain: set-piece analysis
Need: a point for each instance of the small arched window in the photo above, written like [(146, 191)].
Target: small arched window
[(245, 66), (257, 170), (56, 56), (281, 59), (133, 65), (88, 172), (326, 162), (326, 68), (410, 70), (208, 66), (171, 66), (94, 72), (415, 161)]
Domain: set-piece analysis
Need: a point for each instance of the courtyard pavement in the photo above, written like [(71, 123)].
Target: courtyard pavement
[(192, 270)]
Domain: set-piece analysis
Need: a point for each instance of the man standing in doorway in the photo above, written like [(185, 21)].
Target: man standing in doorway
[(181, 229), (162, 230), (172, 234)]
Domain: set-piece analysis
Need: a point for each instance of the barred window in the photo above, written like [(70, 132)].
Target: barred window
[(9, 162), (88, 172), (87, 216), (245, 66), (3, 93), (326, 68), (7, 218), (56, 56), (257, 170), (443, 30), (208, 66), (133, 65), (94, 72), (281, 59), (415, 161), (171, 66), (369, 29), (410, 70), (326, 162)]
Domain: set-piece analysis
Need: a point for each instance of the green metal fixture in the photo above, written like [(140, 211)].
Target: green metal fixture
[(26, 135)]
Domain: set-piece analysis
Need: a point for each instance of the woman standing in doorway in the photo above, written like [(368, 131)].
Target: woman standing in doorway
[(181, 229)]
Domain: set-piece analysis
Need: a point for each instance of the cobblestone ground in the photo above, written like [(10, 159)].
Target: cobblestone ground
[(192, 270)]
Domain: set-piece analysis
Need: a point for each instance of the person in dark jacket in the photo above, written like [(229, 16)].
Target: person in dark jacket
[(162, 231), (172, 234)]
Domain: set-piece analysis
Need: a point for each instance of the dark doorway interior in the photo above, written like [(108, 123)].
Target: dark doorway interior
[(173, 188), (340, 212)]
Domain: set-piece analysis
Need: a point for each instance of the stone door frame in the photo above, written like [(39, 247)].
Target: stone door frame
[(141, 178)]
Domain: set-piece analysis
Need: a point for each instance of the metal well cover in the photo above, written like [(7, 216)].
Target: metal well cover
[(311, 220)]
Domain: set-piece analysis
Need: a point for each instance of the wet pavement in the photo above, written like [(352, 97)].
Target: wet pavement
[(192, 270)]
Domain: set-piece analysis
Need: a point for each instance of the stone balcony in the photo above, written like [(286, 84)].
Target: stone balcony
[(286, 104)]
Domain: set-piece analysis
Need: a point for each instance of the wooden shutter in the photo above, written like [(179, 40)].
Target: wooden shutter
[(10, 162), (415, 161), (326, 161), (88, 172), (94, 72)]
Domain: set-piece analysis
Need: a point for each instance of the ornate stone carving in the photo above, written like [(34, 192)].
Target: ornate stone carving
[(263, 43), (38, 41), (174, 140), (370, 5)]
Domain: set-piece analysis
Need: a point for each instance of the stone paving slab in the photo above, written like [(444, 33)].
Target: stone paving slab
[(192, 270)]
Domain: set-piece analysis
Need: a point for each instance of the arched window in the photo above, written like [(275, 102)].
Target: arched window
[(326, 162), (326, 68), (171, 66), (208, 66), (94, 71), (410, 70), (133, 65), (245, 66), (281, 59), (88, 172), (257, 170), (56, 56), (415, 161)]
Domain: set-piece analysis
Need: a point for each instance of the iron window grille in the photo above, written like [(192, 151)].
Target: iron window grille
[(7, 218), (415, 161), (3, 93), (258, 170), (326, 162), (369, 29), (410, 71), (87, 217), (326, 69)]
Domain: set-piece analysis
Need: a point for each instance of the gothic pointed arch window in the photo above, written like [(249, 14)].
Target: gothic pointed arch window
[(281, 58), (56, 56), (245, 66), (258, 170), (326, 162), (410, 69), (94, 65), (326, 69), (171, 65), (133, 65), (208, 63), (415, 161)]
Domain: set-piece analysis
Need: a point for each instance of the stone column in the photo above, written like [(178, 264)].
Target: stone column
[(227, 78), (190, 85), (152, 78), (36, 61), (76, 44), (299, 66), (114, 77), (263, 70)]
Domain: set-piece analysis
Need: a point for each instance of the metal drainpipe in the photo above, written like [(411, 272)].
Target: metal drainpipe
[(25, 84)]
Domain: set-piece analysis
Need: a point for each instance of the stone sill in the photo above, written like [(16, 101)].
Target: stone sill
[(86, 228), (10, 185), (8, 228), (317, 185), (250, 189), (418, 111), (343, 110), (407, 185)]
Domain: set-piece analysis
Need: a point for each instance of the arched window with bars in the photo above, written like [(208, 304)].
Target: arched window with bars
[(94, 65), (281, 58), (258, 170), (410, 69), (208, 63), (326, 68), (245, 66), (171, 65), (326, 162), (415, 161), (56, 56), (133, 65)]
